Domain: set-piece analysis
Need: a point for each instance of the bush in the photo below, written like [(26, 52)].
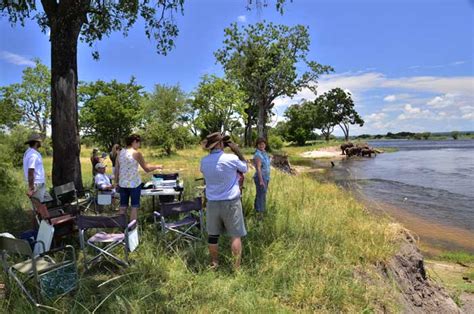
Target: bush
[(275, 142)]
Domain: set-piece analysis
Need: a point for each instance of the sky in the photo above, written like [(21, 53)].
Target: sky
[(408, 64)]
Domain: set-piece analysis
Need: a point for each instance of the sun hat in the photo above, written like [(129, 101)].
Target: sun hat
[(99, 165), (34, 137), (213, 139)]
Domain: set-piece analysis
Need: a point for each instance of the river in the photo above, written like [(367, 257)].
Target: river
[(426, 185)]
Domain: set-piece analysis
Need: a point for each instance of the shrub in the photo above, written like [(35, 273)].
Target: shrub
[(275, 142)]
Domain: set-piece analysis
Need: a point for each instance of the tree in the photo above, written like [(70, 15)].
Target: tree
[(164, 113), (262, 59), (31, 97), (109, 111), (345, 113), (455, 135), (10, 112), (89, 21), (299, 125), (220, 105)]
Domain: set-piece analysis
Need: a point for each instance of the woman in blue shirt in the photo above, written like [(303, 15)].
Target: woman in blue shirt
[(262, 175)]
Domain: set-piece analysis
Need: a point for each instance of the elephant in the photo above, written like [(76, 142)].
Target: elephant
[(346, 146), (353, 151), (367, 152)]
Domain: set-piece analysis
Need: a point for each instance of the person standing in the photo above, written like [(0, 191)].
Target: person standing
[(113, 155), (95, 159), (224, 207), (33, 169), (262, 176), (127, 177)]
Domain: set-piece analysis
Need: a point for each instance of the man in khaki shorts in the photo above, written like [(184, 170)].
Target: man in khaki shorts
[(33, 169), (224, 207)]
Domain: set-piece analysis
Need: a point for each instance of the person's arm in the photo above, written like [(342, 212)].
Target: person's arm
[(31, 174), (31, 182), (258, 166), (141, 161)]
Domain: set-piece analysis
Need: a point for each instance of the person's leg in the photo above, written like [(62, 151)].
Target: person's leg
[(135, 195), (214, 229), (259, 190), (213, 247), (263, 205), (236, 247), (124, 196), (233, 218)]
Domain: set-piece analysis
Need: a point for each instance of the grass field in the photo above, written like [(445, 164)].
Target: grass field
[(306, 256)]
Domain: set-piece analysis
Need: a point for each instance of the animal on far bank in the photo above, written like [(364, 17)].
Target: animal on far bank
[(346, 146)]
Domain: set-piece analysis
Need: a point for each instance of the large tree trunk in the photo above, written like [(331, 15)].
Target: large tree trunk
[(262, 121), (65, 28), (248, 133)]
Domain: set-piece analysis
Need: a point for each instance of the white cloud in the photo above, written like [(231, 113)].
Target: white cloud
[(468, 116), (410, 112), (375, 117), (442, 101), (390, 98), (241, 18), (15, 59)]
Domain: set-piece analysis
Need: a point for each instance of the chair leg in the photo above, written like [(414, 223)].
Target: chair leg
[(22, 287)]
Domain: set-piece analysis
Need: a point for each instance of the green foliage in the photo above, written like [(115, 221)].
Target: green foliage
[(298, 128), (275, 142), (219, 104), (455, 135), (31, 99), (262, 59), (335, 107), (109, 111), (164, 114), (10, 111)]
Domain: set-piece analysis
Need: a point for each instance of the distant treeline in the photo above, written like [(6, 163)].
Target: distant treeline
[(420, 136)]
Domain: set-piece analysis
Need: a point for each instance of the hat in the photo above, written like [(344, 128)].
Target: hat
[(34, 137), (213, 139), (99, 165), (95, 150)]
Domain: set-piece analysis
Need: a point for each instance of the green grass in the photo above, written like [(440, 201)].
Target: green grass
[(457, 257), (306, 256)]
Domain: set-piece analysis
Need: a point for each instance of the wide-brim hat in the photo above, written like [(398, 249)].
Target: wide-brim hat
[(34, 137), (213, 139)]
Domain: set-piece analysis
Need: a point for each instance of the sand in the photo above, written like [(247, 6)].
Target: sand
[(326, 152)]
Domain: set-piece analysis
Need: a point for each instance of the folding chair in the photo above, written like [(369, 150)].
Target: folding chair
[(66, 196), (104, 243), (40, 272), (189, 216), (64, 223)]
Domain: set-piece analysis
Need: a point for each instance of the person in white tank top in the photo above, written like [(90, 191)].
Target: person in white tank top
[(128, 177)]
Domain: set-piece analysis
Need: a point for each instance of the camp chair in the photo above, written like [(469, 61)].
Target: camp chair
[(170, 219), (104, 243), (40, 272), (66, 196), (64, 223)]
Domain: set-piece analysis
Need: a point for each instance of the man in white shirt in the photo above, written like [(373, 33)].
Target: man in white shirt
[(224, 206), (33, 169), (102, 181)]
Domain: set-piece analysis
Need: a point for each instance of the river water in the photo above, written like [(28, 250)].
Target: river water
[(426, 185)]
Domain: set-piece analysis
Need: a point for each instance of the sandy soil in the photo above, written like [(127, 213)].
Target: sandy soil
[(326, 152)]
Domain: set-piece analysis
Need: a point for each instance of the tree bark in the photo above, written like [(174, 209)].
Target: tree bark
[(262, 120), (248, 133), (65, 27)]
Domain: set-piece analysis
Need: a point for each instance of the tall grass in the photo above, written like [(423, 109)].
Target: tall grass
[(307, 255)]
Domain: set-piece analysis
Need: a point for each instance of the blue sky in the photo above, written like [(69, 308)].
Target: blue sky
[(408, 64)]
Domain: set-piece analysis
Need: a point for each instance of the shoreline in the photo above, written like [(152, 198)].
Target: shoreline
[(434, 238)]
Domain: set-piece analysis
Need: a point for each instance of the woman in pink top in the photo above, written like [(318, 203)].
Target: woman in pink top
[(127, 177)]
